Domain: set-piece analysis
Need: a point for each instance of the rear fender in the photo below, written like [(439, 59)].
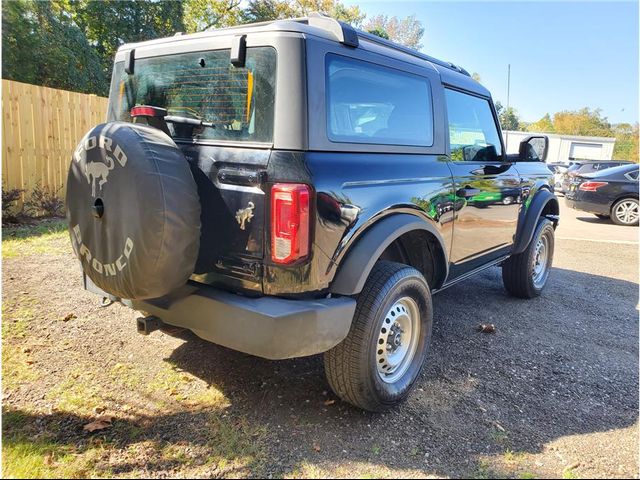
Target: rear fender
[(359, 262)]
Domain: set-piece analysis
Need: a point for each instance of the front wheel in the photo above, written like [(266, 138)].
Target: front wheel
[(525, 274), (375, 367), (625, 212)]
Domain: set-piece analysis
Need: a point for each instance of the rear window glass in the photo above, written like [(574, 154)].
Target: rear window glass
[(203, 85), (368, 103)]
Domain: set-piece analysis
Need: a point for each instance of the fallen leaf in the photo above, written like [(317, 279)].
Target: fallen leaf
[(316, 447), (486, 328), (99, 423), (499, 427), (69, 316), (26, 350), (99, 410), (571, 467), (29, 362), (329, 402), (48, 459)]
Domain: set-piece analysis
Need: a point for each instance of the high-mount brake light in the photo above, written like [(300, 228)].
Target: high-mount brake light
[(148, 111), (289, 222)]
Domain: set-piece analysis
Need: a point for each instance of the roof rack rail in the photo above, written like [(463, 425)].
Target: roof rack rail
[(343, 32), (410, 51)]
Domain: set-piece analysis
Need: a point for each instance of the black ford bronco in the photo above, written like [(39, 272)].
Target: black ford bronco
[(300, 187)]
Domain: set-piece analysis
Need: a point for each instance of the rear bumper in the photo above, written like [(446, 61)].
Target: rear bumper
[(268, 327), (579, 202)]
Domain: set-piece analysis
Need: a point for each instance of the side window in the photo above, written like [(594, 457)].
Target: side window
[(632, 175), (368, 103), (473, 133)]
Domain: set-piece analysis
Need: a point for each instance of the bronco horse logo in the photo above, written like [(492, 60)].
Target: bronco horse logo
[(98, 171)]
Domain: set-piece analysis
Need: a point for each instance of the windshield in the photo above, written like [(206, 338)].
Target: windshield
[(239, 102)]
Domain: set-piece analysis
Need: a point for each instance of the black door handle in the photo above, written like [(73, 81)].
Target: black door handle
[(467, 192)]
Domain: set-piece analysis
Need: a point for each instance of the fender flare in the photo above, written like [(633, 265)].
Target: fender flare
[(361, 258), (530, 216)]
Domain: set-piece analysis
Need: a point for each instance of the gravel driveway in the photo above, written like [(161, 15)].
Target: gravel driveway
[(552, 393)]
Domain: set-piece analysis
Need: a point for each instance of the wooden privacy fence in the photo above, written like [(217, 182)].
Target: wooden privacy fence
[(40, 129)]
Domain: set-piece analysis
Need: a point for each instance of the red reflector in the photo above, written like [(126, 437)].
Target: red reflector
[(591, 186), (146, 111), (289, 222)]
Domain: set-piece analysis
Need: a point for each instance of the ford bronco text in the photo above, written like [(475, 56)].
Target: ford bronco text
[(300, 187)]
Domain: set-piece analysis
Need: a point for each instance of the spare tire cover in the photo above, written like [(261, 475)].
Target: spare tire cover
[(133, 211)]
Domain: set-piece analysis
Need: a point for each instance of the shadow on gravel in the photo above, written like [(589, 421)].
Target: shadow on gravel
[(559, 365), (562, 364)]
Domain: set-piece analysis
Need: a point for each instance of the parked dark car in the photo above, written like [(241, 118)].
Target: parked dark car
[(610, 193), (299, 187), (586, 167)]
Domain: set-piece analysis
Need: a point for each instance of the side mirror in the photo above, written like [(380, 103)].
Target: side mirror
[(534, 149)]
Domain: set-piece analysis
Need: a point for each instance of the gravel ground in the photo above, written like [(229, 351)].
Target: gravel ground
[(553, 393)]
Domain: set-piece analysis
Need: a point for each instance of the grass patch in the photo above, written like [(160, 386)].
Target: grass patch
[(30, 456), (76, 395), (16, 319), (49, 236)]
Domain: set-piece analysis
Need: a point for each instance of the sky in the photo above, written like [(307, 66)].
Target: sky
[(563, 55)]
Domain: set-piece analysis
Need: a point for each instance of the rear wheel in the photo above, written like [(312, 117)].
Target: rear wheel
[(375, 367), (625, 212), (524, 275)]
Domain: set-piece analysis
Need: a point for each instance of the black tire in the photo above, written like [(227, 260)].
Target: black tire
[(519, 271), (619, 219), (351, 367)]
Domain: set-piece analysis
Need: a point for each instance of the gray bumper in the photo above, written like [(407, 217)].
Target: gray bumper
[(268, 327)]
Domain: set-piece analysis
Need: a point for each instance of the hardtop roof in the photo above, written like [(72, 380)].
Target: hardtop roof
[(449, 73)]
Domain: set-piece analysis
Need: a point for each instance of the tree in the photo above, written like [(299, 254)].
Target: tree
[(42, 46), (200, 15), (582, 122), (264, 10), (544, 125), (508, 117), (110, 23), (626, 147), (379, 32), (408, 31)]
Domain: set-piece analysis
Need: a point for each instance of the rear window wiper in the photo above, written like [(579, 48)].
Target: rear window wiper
[(196, 122)]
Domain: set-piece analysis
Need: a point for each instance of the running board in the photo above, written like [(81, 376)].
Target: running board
[(471, 273)]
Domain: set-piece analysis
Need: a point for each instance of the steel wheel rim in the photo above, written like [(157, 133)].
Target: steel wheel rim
[(541, 262), (397, 341), (627, 211)]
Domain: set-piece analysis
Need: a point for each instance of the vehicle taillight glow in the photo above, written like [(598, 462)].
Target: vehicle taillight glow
[(147, 111), (591, 186), (289, 222)]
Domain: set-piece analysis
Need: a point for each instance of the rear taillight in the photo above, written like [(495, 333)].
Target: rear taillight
[(289, 222), (591, 186)]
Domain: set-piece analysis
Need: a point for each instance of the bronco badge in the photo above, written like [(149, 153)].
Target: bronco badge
[(245, 215)]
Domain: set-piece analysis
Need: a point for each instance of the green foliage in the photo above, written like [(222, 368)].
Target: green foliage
[(582, 122), (200, 15), (544, 125), (263, 10), (626, 147), (509, 118), (42, 46), (380, 32), (110, 23), (407, 31)]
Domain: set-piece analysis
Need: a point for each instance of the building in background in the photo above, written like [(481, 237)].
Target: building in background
[(563, 148)]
